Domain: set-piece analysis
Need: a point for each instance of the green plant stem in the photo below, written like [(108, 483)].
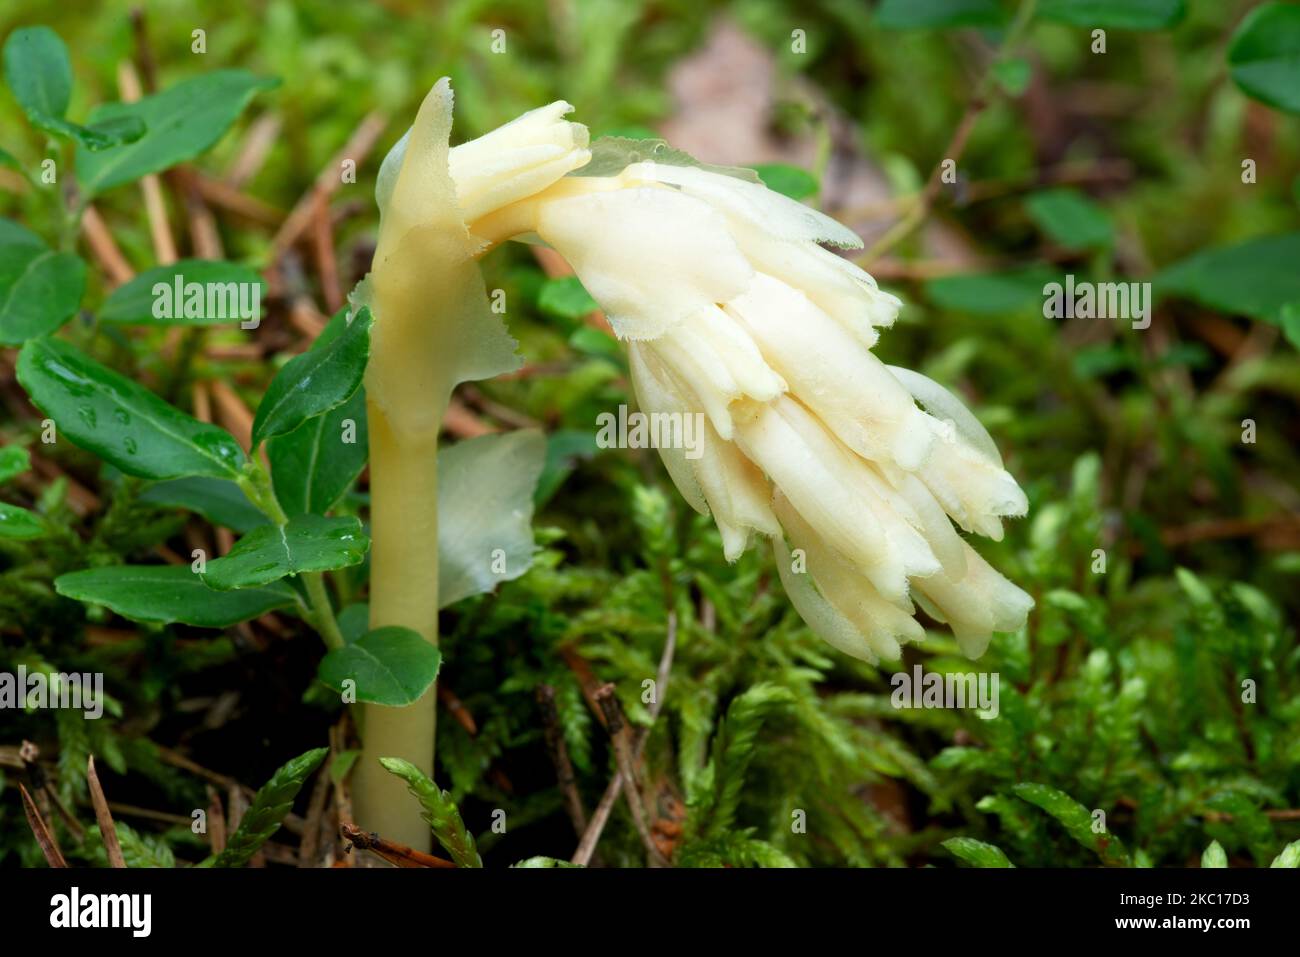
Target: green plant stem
[(319, 612)]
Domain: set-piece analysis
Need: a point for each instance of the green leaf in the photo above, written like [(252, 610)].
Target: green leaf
[(1115, 14), (1214, 856), (1264, 56), (991, 294), (1290, 318), (930, 14), (309, 543), (711, 813), (39, 290), (977, 853), (315, 382), (16, 234), (792, 181), (1256, 278), (120, 421), (565, 298), (1070, 219), (19, 523), (220, 501), (485, 511), (313, 466), (136, 302), (105, 133), (180, 123), (564, 449), (440, 812), (39, 74), (1077, 820), (170, 593), (354, 621), (270, 805), (1248, 822), (14, 460), (1290, 856), (138, 850), (1013, 75), (390, 666), (342, 764), (596, 342)]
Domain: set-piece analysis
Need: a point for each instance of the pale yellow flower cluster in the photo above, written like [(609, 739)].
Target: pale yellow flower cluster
[(731, 307)]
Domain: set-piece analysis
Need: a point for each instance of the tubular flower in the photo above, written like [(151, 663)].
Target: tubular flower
[(730, 306)]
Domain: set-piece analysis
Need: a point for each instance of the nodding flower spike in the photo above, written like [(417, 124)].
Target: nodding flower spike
[(730, 306)]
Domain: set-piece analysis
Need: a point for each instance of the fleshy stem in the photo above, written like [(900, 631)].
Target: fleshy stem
[(319, 613)]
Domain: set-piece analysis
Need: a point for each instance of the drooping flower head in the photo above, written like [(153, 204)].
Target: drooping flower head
[(731, 306)]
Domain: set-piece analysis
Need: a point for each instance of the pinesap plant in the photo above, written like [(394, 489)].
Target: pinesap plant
[(730, 309)]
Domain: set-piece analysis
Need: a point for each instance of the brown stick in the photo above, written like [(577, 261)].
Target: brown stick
[(53, 856), (309, 849), (619, 733), (205, 239), (143, 53), (258, 142), (448, 699), (105, 248), (227, 197), (322, 235), (397, 854), (48, 796), (587, 846), (164, 245), (559, 753), (107, 832), (216, 821), (327, 181), (232, 412)]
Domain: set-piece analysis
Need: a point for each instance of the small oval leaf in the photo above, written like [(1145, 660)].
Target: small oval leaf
[(390, 666), (39, 290)]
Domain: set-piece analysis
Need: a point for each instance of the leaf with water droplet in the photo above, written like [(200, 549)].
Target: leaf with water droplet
[(177, 123), (121, 421), (19, 523), (316, 381), (308, 543)]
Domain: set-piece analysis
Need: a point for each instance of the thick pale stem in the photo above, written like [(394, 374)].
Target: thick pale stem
[(403, 591)]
